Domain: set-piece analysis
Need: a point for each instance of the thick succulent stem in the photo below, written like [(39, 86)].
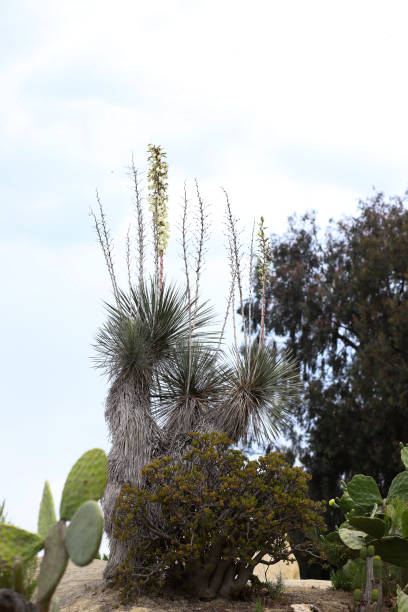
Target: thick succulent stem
[(134, 435)]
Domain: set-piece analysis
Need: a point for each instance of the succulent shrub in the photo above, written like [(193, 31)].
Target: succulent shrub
[(79, 541), (215, 515)]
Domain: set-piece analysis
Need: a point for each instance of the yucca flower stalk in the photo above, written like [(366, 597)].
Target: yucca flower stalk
[(157, 183), (264, 260)]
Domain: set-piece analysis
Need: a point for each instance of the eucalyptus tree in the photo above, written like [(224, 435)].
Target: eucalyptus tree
[(168, 371)]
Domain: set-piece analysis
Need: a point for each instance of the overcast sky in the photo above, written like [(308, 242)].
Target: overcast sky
[(288, 105)]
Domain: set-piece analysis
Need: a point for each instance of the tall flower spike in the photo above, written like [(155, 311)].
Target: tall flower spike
[(264, 259), (157, 184)]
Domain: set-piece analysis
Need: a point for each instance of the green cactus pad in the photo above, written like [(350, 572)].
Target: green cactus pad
[(402, 600), (46, 516), (352, 538), (84, 533), (364, 492), (374, 527), (392, 549), (86, 481), (54, 562), (346, 503), (399, 487), (370, 551), (16, 542), (357, 595), (363, 553)]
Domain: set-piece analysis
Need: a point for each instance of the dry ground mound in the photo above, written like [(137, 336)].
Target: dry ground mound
[(83, 590)]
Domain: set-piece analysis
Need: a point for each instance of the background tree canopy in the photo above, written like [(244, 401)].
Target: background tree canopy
[(342, 308)]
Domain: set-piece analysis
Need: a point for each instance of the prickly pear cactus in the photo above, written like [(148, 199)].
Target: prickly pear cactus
[(86, 481), (363, 492), (53, 564), (374, 527), (377, 527), (18, 543), (46, 517), (84, 533), (84, 486), (352, 538), (399, 487)]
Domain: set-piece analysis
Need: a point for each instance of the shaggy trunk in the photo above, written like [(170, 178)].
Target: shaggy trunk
[(227, 579), (135, 436)]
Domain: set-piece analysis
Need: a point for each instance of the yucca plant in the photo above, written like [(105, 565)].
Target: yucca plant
[(137, 338), (168, 371), (258, 388)]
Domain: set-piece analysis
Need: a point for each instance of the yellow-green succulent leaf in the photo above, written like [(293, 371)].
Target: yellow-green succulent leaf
[(84, 533), (53, 564), (18, 543), (86, 481), (46, 516)]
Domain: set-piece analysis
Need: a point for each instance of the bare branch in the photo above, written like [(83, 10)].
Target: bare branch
[(105, 243), (128, 258), (251, 274), (139, 224), (235, 246), (185, 247), (230, 296)]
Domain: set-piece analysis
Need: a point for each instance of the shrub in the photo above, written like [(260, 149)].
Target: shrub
[(349, 577), (203, 522)]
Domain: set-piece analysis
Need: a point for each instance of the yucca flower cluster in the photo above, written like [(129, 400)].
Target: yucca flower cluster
[(158, 198)]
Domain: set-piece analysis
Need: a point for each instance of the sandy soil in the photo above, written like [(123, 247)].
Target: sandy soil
[(82, 590)]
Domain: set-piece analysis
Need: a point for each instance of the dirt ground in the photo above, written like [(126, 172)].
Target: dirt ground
[(82, 589)]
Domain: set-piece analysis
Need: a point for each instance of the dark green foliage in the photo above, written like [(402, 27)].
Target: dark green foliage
[(341, 306), (337, 553), (349, 577), (200, 521)]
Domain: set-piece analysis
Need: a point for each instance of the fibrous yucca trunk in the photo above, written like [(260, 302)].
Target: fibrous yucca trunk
[(135, 436)]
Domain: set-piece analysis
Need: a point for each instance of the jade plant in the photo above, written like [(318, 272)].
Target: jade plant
[(78, 541), (375, 529)]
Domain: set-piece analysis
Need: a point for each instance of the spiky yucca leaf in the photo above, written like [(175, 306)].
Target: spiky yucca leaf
[(259, 390), (122, 345), (144, 329), (190, 383), (167, 316)]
